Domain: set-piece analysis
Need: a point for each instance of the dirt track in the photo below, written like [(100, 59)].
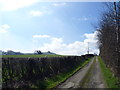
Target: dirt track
[(88, 77)]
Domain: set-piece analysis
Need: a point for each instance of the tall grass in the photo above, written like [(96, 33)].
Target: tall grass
[(112, 82)]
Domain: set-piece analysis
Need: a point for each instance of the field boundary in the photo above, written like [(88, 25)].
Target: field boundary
[(24, 72)]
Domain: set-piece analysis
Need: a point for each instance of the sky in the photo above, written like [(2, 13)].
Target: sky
[(61, 27)]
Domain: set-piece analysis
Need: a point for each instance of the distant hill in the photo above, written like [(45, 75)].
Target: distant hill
[(10, 52), (49, 53), (0, 52)]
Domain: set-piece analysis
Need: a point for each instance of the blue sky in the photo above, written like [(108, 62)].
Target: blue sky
[(60, 27)]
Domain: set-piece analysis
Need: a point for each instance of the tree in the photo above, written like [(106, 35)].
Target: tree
[(38, 52), (108, 37)]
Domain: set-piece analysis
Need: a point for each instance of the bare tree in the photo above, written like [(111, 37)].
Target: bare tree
[(108, 37)]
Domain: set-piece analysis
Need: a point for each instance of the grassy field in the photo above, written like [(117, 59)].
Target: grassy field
[(112, 82), (26, 56)]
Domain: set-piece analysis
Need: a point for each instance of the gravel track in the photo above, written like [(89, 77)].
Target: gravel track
[(89, 76)]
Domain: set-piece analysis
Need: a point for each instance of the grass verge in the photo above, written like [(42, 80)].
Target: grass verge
[(86, 79), (56, 80), (111, 81)]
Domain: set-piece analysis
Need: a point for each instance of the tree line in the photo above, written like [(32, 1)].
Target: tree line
[(109, 37)]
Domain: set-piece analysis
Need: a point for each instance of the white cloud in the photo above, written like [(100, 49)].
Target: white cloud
[(76, 48), (36, 13), (41, 36), (59, 4), (91, 37), (3, 31), (4, 28), (11, 5), (83, 19)]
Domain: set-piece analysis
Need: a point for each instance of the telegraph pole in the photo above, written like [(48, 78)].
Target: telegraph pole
[(88, 48), (117, 22)]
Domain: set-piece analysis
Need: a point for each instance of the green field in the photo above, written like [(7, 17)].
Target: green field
[(26, 56)]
